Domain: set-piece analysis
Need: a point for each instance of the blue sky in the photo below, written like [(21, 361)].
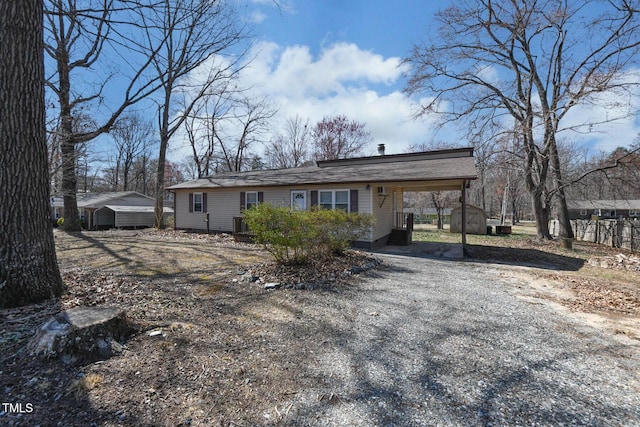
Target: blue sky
[(384, 27), (318, 58), (331, 57)]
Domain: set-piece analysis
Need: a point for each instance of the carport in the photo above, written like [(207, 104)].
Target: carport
[(114, 216), (403, 224)]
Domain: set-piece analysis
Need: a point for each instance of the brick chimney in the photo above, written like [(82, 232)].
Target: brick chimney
[(381, 149)]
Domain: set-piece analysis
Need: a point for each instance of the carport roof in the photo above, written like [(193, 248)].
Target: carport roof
[(136, 209), (450, 168), (96, 200)]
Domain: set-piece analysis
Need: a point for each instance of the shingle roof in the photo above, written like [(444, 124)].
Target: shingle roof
[(137, 209), (90, 200), (457, 164)]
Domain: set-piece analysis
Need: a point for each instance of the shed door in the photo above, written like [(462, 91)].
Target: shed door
[(299, 200)]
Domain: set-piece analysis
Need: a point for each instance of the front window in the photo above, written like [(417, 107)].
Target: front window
[(633, 212), (197, 202), (342, 200), (334, 199), (583, 212), (252, 199)]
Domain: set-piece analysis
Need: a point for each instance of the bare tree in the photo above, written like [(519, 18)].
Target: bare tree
[(245, 125), (614, 175), (291, 148), (338, 138), (202, 142), (132, 135), (202, 125), (77, 36), (532, 62), (197, 35), (28, 267)]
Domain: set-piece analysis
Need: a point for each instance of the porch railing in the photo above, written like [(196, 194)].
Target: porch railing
[(241, 232), (404, 221)]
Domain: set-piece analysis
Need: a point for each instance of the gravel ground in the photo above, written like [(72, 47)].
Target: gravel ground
[(414, 342), (445, 343)]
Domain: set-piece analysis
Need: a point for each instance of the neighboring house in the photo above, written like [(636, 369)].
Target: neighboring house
[(604, 209), (120, 209), (373, 185)]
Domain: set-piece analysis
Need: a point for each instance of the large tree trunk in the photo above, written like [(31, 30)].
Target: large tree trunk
[(28, 267), (162, 160), (536, 169), (69, 183), (542, 217), (565, 232), (68, 154)]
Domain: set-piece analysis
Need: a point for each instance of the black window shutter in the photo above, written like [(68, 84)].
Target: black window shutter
[(204, 202), (260, 196), (314, 197), (242, 200), (190, 202), (353, 199)]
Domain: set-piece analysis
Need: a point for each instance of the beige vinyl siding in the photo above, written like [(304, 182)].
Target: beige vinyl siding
[(224, 204), (383, 211), (281, 196), (185, 219)]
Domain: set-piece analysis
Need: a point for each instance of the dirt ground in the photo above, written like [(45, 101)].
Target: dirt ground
[(209, 349)]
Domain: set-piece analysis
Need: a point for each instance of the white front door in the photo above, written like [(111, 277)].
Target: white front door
[(299, 200)]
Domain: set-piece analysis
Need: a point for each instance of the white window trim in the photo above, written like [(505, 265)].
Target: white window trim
[(246, 199), (201, 210), (333, 197)]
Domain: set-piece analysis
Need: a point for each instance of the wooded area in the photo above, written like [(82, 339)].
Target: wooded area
[(187, 58), (513, 70)]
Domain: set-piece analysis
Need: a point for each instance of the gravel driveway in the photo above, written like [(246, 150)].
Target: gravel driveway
[(446, 343)]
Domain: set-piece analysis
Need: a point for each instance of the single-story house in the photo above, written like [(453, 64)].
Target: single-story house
[(604, 209), (373, 185), (120, 209)]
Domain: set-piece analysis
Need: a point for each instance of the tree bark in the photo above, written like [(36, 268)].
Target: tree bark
[(541, 213), (69, 184), (28, 267), (565, 231)]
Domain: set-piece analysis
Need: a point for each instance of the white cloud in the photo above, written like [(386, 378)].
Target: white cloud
[(257, 17), (342, 79), (609, 121)]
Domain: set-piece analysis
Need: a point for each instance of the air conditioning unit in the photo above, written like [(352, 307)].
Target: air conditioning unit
[(382, 191)]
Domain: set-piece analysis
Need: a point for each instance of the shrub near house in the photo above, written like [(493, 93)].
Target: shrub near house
[(294, 236)]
